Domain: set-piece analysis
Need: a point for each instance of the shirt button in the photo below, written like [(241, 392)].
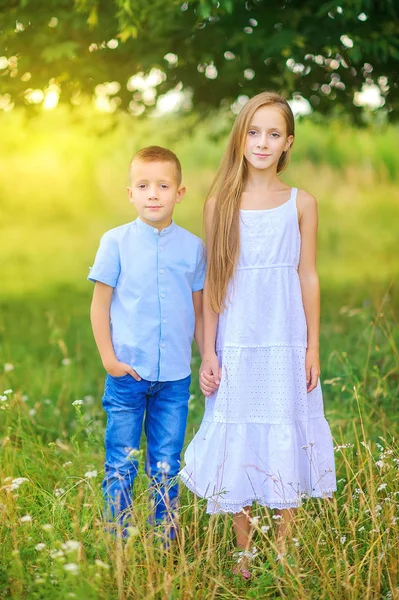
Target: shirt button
[(162, 345), (164, 320), (162, 295), (155, 230), (161, 271)]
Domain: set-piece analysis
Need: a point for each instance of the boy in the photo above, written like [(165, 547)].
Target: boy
[(146, 307)]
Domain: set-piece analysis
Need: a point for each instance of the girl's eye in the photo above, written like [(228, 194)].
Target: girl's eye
[(251, 132)]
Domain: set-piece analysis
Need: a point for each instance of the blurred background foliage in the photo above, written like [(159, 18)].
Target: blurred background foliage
[(339, 55), (64, 174)]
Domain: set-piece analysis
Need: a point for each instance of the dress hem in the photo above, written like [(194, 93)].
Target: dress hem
[(226, 506)]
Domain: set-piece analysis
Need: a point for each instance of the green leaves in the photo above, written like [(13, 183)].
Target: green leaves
[(332, 40)]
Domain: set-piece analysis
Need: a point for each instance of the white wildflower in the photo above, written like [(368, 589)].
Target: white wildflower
[(362, 528), (254, 521), (66, 362), (72, 568), (277, 517), (54, 553), (280, 556), (47, 527), (77, 402), (32, 412), (133, 453), (26, 519), (382, 486), (59, 492), (132, 531), (3, 398), (380, 464), (163, 466), (19, 481), (8, 367), (7, 392), (265, 528), (91, 474), (342, 539), (101, 564), (67, 464), (71, 546), (40, 546)]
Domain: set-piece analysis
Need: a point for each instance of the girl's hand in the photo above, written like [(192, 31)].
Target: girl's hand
[(119, 369), (210, 374), (312, 365)]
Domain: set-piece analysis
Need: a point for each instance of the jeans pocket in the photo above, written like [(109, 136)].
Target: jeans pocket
[(120, 377)]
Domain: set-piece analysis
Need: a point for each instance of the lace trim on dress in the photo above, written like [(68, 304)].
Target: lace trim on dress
[(226, 506)]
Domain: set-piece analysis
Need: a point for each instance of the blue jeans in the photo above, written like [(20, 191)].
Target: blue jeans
[(165, 406)]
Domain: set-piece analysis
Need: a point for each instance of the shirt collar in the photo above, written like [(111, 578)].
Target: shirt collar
[(149, 230)]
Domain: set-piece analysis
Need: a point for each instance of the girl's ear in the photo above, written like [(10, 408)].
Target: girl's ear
[(289, 141)]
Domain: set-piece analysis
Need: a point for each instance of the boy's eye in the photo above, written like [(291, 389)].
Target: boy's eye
[(164, 186), (275, 135), (141, 186)]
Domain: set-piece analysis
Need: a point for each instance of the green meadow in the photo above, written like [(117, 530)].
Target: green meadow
[(63, 178)]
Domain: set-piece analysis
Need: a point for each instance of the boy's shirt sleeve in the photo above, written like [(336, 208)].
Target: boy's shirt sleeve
[(199, 275), (107, 265)]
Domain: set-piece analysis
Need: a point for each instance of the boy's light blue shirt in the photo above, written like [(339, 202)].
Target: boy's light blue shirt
[(152, 315)]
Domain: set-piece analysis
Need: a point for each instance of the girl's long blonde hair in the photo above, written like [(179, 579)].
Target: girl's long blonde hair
[(226, 193)]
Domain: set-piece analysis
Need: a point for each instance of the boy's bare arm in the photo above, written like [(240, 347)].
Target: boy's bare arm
[(100, 322), (199, 321)]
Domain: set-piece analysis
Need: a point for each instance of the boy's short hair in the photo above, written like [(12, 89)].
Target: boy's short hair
[(157, 154)]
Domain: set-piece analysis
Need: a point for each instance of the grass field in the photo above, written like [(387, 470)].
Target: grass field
[(62, 183)]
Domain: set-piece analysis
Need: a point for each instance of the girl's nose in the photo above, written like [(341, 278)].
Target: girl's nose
[(262, 142)]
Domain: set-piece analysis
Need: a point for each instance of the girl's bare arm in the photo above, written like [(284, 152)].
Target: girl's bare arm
[(308, 221), (209, 370)]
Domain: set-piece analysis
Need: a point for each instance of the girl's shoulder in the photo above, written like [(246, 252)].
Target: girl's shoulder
[(305, 203)]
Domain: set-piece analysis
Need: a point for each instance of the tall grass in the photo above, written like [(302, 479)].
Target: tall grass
[(344, 549)]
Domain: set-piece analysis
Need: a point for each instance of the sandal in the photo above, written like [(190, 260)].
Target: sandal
[(244, 557)]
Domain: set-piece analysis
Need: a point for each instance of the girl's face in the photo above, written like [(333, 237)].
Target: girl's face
[(266, 138)]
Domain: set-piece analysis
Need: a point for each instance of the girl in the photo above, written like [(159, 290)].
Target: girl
[(264, 437)]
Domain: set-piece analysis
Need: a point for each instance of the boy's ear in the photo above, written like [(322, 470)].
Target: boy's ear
[(130, 193), (180, 193)]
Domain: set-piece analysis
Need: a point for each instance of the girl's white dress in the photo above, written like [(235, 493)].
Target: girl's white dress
[(263, 437)]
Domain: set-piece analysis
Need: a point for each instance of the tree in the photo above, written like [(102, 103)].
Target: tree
[(325, 51)]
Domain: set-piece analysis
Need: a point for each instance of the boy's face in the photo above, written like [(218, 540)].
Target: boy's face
[(154, 190)]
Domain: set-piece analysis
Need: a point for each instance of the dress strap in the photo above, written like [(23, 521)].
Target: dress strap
[(294, 192)]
